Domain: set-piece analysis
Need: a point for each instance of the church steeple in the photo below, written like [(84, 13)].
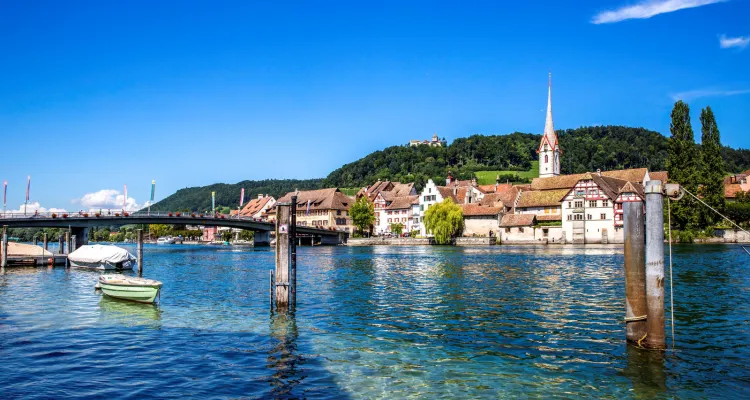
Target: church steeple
[(549, 148)]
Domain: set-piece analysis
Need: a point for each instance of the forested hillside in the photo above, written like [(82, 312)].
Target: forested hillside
[(228, 195), (584, 149)]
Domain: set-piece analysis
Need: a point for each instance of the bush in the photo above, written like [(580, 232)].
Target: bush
[(357, 235), (685, 236), (414, 233)]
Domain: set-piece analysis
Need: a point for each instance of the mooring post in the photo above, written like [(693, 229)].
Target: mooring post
[(4, 248), (67, 242), (635, 272), (44, 241), (655, 265), (60, 244), (139, 252), (73, 243), (293, 256), (36, 240), (282, 255)]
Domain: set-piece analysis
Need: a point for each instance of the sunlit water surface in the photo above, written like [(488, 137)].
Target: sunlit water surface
[(380, 322)]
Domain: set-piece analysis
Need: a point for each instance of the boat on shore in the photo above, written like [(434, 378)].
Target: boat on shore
[(102, 257), (130, 288)]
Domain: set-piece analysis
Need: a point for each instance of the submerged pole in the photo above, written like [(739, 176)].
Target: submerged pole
[(655, 265), (293, 256), (4, 248), (635, 272), (282, 255), (139, 252)]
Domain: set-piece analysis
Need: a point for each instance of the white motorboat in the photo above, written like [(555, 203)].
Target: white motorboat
[(105, 257), (165, 240)]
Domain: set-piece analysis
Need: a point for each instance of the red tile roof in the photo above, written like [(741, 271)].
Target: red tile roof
[(472, 210), (510, 220), (253, 206)]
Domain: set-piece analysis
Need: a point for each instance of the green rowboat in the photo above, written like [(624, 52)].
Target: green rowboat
[(130, 288)]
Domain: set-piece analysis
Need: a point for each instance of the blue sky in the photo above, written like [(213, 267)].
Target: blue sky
[(95, 95)]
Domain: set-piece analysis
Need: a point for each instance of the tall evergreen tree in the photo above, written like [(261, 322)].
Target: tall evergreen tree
[(712, 178), (683, 165)]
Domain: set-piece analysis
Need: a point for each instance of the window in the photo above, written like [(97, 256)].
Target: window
[(403, 219), (546, 158), (429, 190), (570, 204), (507, 230), (578, 217), (520, 229), (389, 220), (421, 207), (588, 216), (592, 203), (605, 203), (570, 217), (604, 216), (579, 204), (580, 192)]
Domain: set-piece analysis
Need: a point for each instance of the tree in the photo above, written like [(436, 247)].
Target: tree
[(363, 214), (247, 235), (712, 182), (683, 165), (226, 235), (445, 220), (158, 230), (397, 228)]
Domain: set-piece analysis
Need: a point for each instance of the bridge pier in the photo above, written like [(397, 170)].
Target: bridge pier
[(262, 238), (81, 236)]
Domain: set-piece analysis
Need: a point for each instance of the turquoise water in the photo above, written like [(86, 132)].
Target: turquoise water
[(380, 322)]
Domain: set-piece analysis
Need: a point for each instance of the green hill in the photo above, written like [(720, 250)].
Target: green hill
[(489, 177), (228, 195), (484, 156)]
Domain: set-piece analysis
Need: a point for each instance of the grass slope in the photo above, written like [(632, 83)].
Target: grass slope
[(488, 177)]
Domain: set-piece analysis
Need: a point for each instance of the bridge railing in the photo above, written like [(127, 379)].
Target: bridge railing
[(65, 215)]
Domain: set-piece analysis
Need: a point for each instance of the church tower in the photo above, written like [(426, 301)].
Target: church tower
[(549, 149)]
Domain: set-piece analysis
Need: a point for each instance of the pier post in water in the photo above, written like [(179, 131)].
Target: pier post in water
[(293, 256), (635, 273), (655, 265), (139, 252), (73, 244), (60, 244), (44, 241), (283, 211), (67, 242), (4, 248)]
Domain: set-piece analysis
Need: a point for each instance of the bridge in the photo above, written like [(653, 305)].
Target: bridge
[(80, 222)]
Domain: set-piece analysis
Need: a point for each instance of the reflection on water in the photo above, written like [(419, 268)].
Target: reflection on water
[(129, 312), (382, 322)]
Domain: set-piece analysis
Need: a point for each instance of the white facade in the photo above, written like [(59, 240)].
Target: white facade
[(590, 216), (381, 225), (398, 216), (429, 196)]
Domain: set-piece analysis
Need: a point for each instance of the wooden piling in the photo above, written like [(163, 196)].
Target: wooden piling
[(4, 248), (282, 255), (635, 272), (45, 244), (139, 252), (36, 240), (655, 266), (293, 256), (67, 242), (60, 244), (73, 243)]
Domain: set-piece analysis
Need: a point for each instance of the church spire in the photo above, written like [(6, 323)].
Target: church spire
[(549, 128), (549, 148)]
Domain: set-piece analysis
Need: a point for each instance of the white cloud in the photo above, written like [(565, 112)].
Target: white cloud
[(695, 94), (107, 199), (729, 42), (35, 206), (648, 9)]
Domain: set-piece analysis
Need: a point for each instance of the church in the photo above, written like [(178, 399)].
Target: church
[(577, 208)]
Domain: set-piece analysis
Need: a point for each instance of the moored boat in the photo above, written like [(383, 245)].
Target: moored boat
[(130, 288), (165, 240), (99, 256)]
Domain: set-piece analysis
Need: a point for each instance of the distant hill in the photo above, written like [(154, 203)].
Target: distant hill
[(584, 149), (199, 198)]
